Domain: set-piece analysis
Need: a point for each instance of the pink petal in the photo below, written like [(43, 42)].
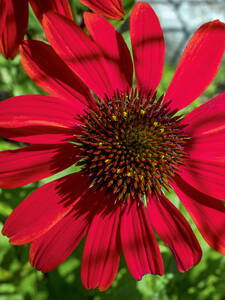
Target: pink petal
[(102, 248), (175, 232), (112, 9), (139, 244), (15, 24), (117, 55), (204, 167), (198, 66), (61, 7), (39, 119), (148, 47), (44, 208), (54, 77), (208, 213), (79, 52), (53, 247), (32, 163)]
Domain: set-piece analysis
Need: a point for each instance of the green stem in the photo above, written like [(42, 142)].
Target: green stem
[(73, 9)]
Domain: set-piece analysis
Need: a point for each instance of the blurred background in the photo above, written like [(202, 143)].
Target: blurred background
[(18, 280)]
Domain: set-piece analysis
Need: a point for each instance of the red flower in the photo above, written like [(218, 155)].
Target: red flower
[(109, 8), (14, 19), (130, 145)]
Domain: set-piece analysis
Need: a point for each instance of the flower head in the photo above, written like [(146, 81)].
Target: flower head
[(131, 146)]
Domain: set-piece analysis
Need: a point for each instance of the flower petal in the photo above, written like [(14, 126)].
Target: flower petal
[(139, 244), (117, 55), (15, 19), (198, 66), (45, 207), (79, 52), (61, 7), (175, 232), (208, 213), (207, 119), (39, 119), (32, 163), (148, 47), (3, 14), (112, 9), (102, 249), (54, 77), (53, 247), (206, 176), (204, 166)]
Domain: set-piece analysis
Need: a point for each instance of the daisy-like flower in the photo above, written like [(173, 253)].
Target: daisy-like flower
[(112, 9), (14, 20), (131, 146)]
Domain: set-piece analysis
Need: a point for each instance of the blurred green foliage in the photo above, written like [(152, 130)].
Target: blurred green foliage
[(19, 281)]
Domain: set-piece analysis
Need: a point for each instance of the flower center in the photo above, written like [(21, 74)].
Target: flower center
[(132, 146)]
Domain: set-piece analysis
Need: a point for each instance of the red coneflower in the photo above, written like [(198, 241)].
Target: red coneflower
[(131, 147), (14, 20)]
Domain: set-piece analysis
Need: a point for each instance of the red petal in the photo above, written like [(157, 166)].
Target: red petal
[(32, 163), (207, 119), (198, 66), (117, 55), (54, 77), (139, 244), (102, 249), (148, 47), (204, 168), (206, 176), (53, 247), (208, 213), (112, 9), (15, 19), (3, 13), (44, 208), (175, 232), (61, 7), (79, 52), (38, 119)]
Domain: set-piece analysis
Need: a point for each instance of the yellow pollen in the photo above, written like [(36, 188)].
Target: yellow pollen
[(118, 171), (155, 124), (106, 160), (162, 130), (114, 118), (143, 111), (125, 114), (162, 156), (128, 174), (100, 144)]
